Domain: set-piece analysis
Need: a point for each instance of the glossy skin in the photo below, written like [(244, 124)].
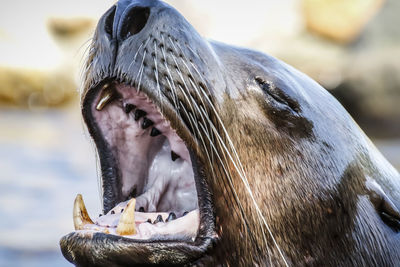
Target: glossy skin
[(328, 196)]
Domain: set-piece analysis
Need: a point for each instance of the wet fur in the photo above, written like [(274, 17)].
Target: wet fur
[(309, 165)]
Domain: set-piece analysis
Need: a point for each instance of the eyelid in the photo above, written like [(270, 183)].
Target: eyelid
[(277, 94)]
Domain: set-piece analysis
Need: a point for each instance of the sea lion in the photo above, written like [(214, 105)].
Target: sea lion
[(218, 155)]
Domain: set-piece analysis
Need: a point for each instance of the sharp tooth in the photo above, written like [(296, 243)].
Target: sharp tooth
[(146, 123), (158, 219), (154, 132), (107, 96), (174, 156), (81, 217), (139, 113), (171, 217), (126, 225), (129, 107)]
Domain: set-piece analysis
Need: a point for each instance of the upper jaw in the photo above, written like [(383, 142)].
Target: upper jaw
[(153, 250)]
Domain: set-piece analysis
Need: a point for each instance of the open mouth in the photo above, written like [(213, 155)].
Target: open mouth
[(150, 190)]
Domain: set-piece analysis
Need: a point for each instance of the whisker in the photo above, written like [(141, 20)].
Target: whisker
[(206, 132), (239, 169), (228, 174), (156, 72), (248, 189), (134, 58), (173, 89), (194, 124), (192, 120), (141, 70), (190, 80)]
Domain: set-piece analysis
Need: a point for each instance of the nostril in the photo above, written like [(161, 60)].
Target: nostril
[(135, 21), (108, 24)]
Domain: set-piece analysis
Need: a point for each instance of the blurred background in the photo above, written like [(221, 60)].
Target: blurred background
[(351, 47)]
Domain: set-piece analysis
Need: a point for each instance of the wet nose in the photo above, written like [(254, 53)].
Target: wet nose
[(130, 17)]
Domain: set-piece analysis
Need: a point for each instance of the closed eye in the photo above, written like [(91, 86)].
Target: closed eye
[(277, 94)]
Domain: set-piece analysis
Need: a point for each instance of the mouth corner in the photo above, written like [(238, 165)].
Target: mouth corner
[(155, 195)]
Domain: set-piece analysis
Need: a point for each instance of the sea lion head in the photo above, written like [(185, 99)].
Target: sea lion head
[(248, 160)]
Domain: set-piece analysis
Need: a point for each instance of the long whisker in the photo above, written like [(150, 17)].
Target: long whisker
[(245, 181), (192, 103), (173, 88), (141, 70), (228, 174), (238, 166), (192, 122), (134, 58), (194, 126), (156, 72), (191, 80)]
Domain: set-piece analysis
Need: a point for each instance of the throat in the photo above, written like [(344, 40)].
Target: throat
[(169, 185)]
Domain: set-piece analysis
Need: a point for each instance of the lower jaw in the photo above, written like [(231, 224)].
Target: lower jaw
[(96, 243), (99, 249), (92, 247)]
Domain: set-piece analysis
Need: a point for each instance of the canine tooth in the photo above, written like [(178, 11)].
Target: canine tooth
[(80, 215), (174, 156), (158, 219), (146, 123), (171, 217), (126, 224), (129, 107), (139, 113), (154, 132), (107, 96), (141, 209)]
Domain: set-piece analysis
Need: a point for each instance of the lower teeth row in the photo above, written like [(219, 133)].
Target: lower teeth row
[(126, 224)]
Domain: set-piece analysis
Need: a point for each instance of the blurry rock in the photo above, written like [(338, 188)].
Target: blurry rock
[(340, 20), (70, 27), (38, 87), (35, 88), (364, 75)]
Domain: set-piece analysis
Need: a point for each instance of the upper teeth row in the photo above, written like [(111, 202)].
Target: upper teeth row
[(146, 123), (109, 94)]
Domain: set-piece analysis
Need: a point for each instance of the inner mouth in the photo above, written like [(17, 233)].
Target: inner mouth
[(156, 188)]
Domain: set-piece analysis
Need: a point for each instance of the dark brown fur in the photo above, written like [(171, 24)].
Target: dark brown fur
[(327, 195)]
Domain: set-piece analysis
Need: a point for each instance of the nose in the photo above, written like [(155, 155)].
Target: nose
[(130, 17)]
